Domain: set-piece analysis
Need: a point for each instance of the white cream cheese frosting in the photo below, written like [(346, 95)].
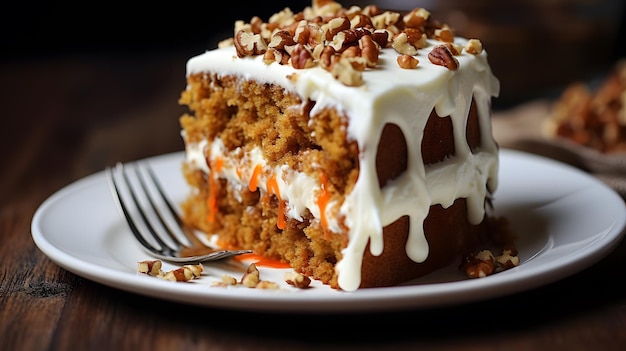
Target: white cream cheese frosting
[(389, 94)]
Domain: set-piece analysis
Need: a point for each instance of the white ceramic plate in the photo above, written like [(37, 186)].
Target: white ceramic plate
[(565, 219)]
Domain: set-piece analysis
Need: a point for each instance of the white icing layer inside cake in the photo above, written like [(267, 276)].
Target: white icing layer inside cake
[(389, 94)]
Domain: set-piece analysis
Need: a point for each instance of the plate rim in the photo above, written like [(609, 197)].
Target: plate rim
[(376, 299)]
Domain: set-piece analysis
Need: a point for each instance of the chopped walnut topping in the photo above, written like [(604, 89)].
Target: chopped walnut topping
[(302, 33), (249, 44), (251, 279), (508, 259), (385, 19), (325, 7), (228, 280), (351, 52), (416, 37), (334, 26), (282, 18), (455, 49), (485, 263), (444, 34), (252, 276), (280, 39), (298, 280), (267, 285), (479, 265), (303, 39), (184, 273), (343, 71), (407, 61), (274, 55), (301, 57), (328, 58), (361, 20), (152, 268), (416, 18), (317, 52), (402, 45), (349, 37), (371, 10), (381, 37), (474, 46), (369, 50), (242, 26)]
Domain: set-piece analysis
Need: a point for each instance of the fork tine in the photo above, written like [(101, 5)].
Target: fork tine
[(151, 226), (123, 208), (174, 231), (180, 227)]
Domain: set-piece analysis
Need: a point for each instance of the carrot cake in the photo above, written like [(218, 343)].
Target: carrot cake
[(354, 144)]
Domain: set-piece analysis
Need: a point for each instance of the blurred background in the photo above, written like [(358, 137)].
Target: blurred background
[(534, 46)]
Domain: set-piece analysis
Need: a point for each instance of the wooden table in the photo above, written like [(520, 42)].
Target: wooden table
[(66, 118)]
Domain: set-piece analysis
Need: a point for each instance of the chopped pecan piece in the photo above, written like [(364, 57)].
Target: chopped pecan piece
[(441, 55), (407, 61), (248, 44)]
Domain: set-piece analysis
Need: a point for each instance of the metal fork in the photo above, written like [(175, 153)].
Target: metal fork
[(153, 219)]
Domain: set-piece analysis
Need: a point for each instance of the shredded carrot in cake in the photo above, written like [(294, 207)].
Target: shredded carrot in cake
[(272, 188), (254, 179), (217, 165), (323, 197)]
